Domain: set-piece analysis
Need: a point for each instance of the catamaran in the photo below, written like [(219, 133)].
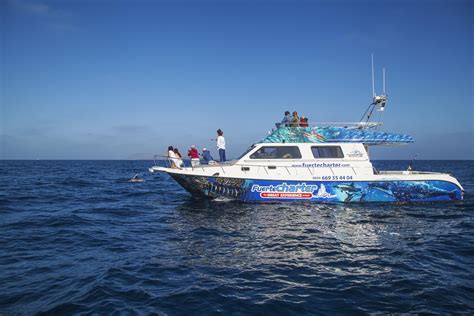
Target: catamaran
[(318, 163)]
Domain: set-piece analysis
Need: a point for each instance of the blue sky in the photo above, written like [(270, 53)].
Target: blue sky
[(123, 79)]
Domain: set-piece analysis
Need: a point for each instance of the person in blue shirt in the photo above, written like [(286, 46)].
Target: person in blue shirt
[(206, 156), (286, 120)]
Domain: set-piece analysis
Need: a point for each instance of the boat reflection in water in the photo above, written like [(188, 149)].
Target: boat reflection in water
[(311, 238)]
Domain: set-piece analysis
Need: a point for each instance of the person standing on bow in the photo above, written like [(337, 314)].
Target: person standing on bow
[(221, 145)]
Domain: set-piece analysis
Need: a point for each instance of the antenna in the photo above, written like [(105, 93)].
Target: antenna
[(383, 74), (378, 101), (373, 81)]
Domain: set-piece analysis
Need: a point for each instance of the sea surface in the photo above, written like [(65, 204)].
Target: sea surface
[(78, 237)]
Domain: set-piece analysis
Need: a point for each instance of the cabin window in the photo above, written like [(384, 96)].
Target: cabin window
[(247, 151), (277, 152), (327, 152)]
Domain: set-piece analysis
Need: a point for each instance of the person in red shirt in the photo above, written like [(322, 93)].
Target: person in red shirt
[(194, 155), (304, 121)]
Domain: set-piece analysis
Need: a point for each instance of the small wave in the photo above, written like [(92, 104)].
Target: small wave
[(65, 309), (138, 193), (224, 199), (75, 182)]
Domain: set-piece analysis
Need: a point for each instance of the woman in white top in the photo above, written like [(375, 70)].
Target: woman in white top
[(221, 145), (175, 161), (180, 162)]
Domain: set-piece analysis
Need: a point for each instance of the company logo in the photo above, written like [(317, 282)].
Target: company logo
[(291, 191), (321, 165), (355, 153)]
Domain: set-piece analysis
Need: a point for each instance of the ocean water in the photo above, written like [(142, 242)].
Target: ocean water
[(78, 237)]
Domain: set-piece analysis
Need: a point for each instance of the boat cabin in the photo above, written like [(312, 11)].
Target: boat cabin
[(334, 159), (327, 150)]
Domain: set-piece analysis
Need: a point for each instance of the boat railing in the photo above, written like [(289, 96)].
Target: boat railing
[(265, 167), (187, 163), (349, 125)]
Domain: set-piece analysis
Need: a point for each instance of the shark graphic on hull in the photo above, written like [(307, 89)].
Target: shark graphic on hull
[(362, 191)]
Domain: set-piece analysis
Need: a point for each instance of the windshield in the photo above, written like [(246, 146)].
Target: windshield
[(247, 151)]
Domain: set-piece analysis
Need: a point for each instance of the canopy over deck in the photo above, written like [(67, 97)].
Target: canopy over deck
[(333, 134)]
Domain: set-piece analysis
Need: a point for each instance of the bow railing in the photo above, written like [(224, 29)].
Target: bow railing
[(352, 125)]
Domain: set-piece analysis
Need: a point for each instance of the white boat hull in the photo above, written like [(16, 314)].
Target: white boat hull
[(408, 188)]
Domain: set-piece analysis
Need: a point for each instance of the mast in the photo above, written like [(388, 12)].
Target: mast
[(378, 101), (373, 78)]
